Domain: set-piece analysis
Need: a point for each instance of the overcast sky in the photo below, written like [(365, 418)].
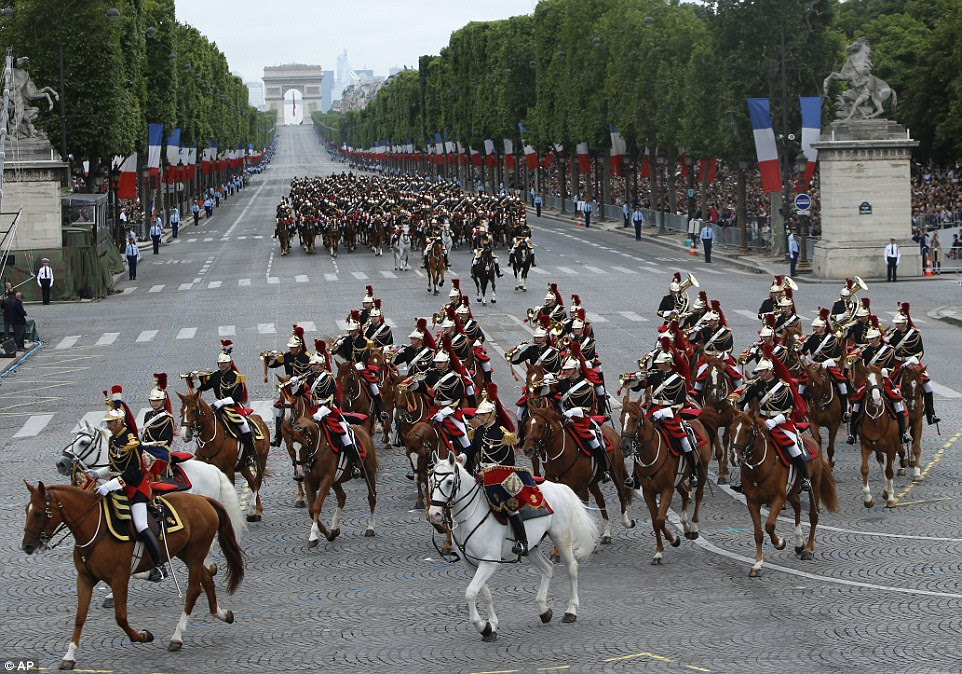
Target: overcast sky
[(377, 34)]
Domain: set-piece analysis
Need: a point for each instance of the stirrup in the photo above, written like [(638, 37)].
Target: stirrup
[(846, 417), (276, 442), (850, 440), (605, 476), (249, 461), (805, 484), (630, 482), (158, 574), (519, 549)]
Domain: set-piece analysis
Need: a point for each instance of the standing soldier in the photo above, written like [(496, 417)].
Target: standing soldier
[(230, 391)]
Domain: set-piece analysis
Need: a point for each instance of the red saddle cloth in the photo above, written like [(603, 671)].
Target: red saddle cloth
[(370, 374), (782, 442), (511, 488), (176, 481), (334, 429), (579, 428)]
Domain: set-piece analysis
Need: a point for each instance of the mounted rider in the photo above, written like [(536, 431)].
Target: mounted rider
[(356, 349), (823, 347), (157, 434), (766, 338), (522, 237), (781, 405), (336, 428), (230, 391), (846, 305), (576, 399), (854, 333), (319, 382), (126, 472), (452, 335), (296, 363), (367, 303), (433, 234), (715, 339), (695, 318), (475, 335), (770, 303), (877, 352), (553, 308), (444, 385), (376, 330), (786, 318), (419, 354), (676, 302), (492, 449), (482, 243), (906, 339)]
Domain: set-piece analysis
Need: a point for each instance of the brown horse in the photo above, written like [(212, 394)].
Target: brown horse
[(308, 234), (377, 236), (435, 266), (715, 402), (326, 469), (532, 384), (878, 431), (218, 447), (97, 556), (350, 236), (564, 462), (332, 238), (412, 410), (354, 394), (295, 407), (660, 473), (765, 480), (283, 235), (824, 406), (911, 388)]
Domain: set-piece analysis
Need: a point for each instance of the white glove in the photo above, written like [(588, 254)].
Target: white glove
[(770, 424), (223, 401), (107, 487), (664, 413), (322, 412), (359, 366), (97, 473), (574, 413)]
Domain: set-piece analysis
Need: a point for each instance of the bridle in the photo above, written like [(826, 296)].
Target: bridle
[(747, 450), (824, 399), (195, 427), (633, 440), (44, 537), (83, 459)]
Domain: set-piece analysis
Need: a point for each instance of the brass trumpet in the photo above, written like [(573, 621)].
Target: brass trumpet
[(195, 373), (531, 313), (745, 355), (689, 282), (510, 353), (565, 342), (268, 354)]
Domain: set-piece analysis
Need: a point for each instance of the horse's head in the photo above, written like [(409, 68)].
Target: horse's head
[(874, 382), (445, 485), (42, 519), (717, 385), (85, 450), (633, 421), (304, 434), (194, 413), (744, 432), (912, 381), (539, 427)]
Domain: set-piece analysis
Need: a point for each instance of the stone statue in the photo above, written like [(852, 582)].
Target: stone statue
[(24, 91), (863, 85)]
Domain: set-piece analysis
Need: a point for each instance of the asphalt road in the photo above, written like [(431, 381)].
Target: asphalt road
[(881, 594)]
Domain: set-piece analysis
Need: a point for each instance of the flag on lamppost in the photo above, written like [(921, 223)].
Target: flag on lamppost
[(490, 158), (509, 154), (155, 137), (531, 157), (584, 161), (765, 148), (127, 185), (811, 128), (618, 148)]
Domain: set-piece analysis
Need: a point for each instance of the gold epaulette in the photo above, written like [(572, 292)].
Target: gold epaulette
[(510, 439), (241, 379)]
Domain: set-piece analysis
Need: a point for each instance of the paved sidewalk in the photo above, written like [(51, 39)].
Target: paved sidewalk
[(951, 314)]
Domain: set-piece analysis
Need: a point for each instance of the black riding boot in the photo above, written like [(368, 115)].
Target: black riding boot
[(930, 417), (853, 425), (533, 263), (249, 453), (276, 441), (843, 398), (447, 265), (473, 400), (497, 269), (486, 374), (801, 465), (354, 456), (159, 572), (379, 407), (520, 535), (903, 436), (692, 460), (602, 458)]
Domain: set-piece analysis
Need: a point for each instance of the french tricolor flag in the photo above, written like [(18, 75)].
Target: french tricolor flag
[(811, 128), (765, 147), (155, 137)]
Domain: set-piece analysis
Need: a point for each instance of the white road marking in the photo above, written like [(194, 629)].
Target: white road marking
[(308, 326), (186, 333), (595, 318), (241, 238), (520, 322), (33, 426), (265, 328), (92, 418), (632, 316), (129, 290), (301, 278), (67, 342), (244, 282), (753, 315), (213, 285), (567, 270), (710, 271), (156, 289), (146, 335), (595, 270), (418, 272), (273, 280), (226, 330), (539, 270), (944, 391), (209, 238), (258, 236), (388, 274), (185, 286), (330, 277), (341, 324), (107, 339), (191, 240), (359, 275), (624, 270)]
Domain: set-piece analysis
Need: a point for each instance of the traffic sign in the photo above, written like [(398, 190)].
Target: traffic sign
[(803, 202), (691, 193)]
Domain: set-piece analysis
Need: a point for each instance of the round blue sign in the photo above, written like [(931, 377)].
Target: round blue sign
[(803, 202)]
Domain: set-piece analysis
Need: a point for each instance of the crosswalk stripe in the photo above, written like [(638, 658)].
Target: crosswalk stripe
[(710, 271), (273, 280), (301, 278), (186, 333), (388, 274), (208, 238), (419, 273), (33, 426), (390, 323), (226, 330), (747, 314), (595, 318), (567, 270), (156, 288), (330, 277), (185, 286), (263, 408), (632, 316), (359, 275), (107, 338), (129, 290), (265, 328), (944, 391), (67, 342), (624, 270), (192, 240), (244, 282), (539, 270), (213, 284), (595, 270), (241, 238), (341, 324), (146, 335), (92, 418), (258, 236)]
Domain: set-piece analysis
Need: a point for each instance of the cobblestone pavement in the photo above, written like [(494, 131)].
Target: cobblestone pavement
[(882, 593)]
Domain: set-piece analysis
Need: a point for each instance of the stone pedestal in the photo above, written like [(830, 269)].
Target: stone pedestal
[(33, 178), (865, 198)]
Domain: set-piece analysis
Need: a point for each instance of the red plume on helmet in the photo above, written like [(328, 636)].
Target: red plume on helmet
[(553, 287), (321, 347), (377, 303), (703, 296), (356, 316), (456, 284), (676, 277), (299, 331), (825, 315), (904, 307), (770, 321), (453, 317), (428, 337), (665, 342), (160, 381), (790, 296), (575, 300), (466, 302), (681, 341), (799, 409), (455, 361), (867, 303), (849, 283), (580, 314), (501, 415), (369, 290), (117, 402), (544, 321), (779, 280), (716, 307)]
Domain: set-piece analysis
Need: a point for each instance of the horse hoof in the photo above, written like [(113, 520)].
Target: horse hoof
[(675, 543), (146, 637), (546, 616), (174, 646), (489, 638), (108, 602), (900, 471), (67, 664), (494, 301), (755, 573), (487, 629), (631, 524), (569, 618), (799, 549), (369, 533), (807, 556), (656, 561), (890, 504), (722, 481), (300, 504), (332, 535), (869, 504), (419, 505), (253, 518), (229, 617), (691, 535), (312, 544), (212, 569), (606, 540), (780, 545)]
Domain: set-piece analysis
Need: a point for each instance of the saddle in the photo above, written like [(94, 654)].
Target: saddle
[(782, 442), (120, 523), (175, 480), (233, 420), (512, 489), (581, 434)]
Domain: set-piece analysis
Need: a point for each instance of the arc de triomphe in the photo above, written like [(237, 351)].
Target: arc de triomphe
[(306, 79)]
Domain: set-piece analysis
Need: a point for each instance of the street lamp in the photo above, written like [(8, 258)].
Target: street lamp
[(661, 160), (803, 266), (742, 215)]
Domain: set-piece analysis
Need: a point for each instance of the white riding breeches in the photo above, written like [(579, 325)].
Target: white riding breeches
[(373, 389), (138, 511), (244, 427)]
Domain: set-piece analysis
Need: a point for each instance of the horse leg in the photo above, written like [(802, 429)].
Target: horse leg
[(721, 454), (772, 521), (867, 499), (341, 497), (195, 572), (600, 500), (617, 464), (119, 586), (547, 570), (318, 526), (832, 433), (369, 478), (917, 449), (797, 531), (571, 566), (488, 602), (481, 576), (85, 586), (755, 513), (889, 494)]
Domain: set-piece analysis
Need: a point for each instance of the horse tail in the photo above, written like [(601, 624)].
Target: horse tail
[(229, 546), (827, 494), (581, 527), (227, 496)]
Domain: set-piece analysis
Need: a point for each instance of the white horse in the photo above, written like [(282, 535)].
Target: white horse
[(458, 500), (401, 246), (88, 450)]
